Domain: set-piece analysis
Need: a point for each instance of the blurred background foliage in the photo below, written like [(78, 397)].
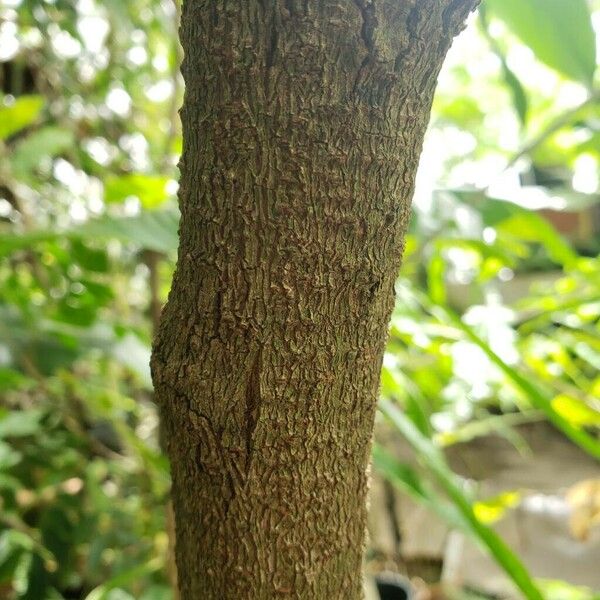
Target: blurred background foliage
[(498, 316)]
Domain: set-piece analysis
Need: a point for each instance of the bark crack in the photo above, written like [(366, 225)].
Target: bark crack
[(412, 27), (253, 399), (367, 35), (369, 24)]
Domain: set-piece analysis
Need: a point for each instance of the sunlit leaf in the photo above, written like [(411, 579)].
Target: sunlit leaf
[(558, 31), (531, 227), (22, 112), (150, 189), (561, 590), (521, 223), (493, 509), (536, 397), (575, 411), (518, 92), (47, 141), (436, 269)]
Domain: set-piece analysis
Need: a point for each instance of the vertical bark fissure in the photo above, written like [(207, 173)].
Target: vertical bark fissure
[(253, 403), (302, 125)]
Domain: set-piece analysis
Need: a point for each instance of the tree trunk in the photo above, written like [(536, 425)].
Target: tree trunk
[(303, 122)]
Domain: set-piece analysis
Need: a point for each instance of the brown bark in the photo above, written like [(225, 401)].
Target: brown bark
[(303, 122)]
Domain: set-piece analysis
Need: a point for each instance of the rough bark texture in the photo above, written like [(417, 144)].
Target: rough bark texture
[(303, 123)]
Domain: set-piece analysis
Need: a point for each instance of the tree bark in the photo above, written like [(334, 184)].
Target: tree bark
[(303, 122)]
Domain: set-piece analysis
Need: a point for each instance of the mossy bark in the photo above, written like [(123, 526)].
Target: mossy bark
[(303, 123)]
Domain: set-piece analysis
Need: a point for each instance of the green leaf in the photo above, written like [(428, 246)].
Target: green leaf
[(530, 227), (534, 395), (493, 509), (434, 461), (575, 411), (561, 590), (10, 555), (154, 230), (47, 141), (519, 222), (436, 270), (519, 95), (125, 577), (9, 457), (150, 189), (11, 379), (23, 112), (559, 32), (20, 423), (483, 426), (157, 592), (90, 259), (8, 482), (407, 480)]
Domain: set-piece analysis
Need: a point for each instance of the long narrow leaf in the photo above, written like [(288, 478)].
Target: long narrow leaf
[(435, 462), (407, 480), (535, 396)]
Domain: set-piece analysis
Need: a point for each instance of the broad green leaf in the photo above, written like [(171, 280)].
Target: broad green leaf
[(23, 112), (47, 141), (559, 32), (154, 230), (20, 423), (9, 457), (90, 259), (530, 227), (150, 189), (520, 223)]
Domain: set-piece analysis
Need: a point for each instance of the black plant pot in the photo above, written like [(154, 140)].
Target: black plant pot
[(392, 586)]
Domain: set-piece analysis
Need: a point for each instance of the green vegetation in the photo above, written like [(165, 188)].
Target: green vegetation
[(89, 139)]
